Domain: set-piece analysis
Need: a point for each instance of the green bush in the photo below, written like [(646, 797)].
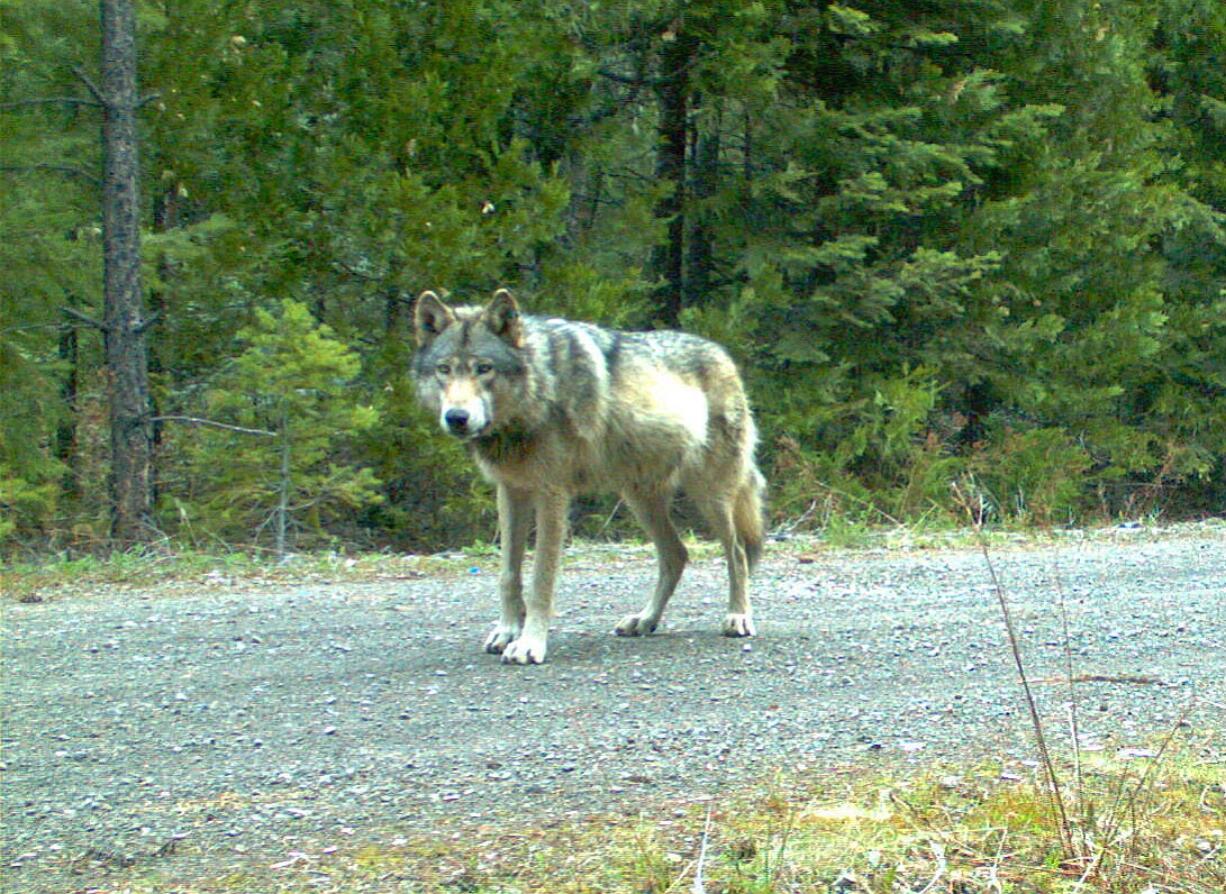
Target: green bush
[(1032, 477)]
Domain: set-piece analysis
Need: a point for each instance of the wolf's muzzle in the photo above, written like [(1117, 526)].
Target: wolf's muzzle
[(457, 422)]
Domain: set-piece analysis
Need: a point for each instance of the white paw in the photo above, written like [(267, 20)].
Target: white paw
[(738, 625), (499, 637), (525, 650), (635, 625)]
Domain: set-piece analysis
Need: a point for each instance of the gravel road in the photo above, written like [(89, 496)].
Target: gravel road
[(222, 722)]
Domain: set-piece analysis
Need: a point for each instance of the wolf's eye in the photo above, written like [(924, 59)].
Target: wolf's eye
[(484, 369), (443, 369)]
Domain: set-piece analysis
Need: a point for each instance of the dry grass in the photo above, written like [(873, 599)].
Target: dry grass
[(933, 831), (171, 571)]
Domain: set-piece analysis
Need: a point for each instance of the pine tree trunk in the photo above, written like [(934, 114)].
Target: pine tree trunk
[(126, 357), (701, 250), (66, 429), (668, 260)]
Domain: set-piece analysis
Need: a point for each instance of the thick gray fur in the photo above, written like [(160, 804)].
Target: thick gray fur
[(551, 408)]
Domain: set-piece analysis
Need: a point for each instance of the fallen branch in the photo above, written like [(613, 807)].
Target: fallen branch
[(1103, 678)]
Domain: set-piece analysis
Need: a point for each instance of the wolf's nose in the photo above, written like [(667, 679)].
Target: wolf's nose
[(457, 420)]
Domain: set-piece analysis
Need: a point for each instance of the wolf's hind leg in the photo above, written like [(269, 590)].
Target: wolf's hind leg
[(651, 509), (718, 510), (514, 519)]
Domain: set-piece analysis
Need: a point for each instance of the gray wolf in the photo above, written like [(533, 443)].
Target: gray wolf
[(551, 408)]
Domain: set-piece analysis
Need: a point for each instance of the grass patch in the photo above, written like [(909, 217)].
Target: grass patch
[(979, 831), (852, 831), (61, 576)]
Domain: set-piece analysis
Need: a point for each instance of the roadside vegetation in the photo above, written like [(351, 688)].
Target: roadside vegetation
[(941, 240), (56, 577), (1143, 823), (861, 830), (47, 577), (1146, 821)]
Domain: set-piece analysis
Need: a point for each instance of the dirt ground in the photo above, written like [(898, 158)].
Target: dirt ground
[(205, 725)]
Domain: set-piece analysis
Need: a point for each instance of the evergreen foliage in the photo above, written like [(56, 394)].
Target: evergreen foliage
[(943, 239), (273, 460)]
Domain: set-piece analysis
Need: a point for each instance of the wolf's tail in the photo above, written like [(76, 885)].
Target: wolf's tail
[(748, 515)]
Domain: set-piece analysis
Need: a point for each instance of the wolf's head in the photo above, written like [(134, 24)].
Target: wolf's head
[(469, 362)]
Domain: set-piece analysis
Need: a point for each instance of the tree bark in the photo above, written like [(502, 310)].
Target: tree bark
[(668, 259), (284, 486), (123, 324), (66, 429), (701, 249)]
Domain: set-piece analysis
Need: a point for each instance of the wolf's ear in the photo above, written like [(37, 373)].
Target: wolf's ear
[(502, 316), (430, 317)]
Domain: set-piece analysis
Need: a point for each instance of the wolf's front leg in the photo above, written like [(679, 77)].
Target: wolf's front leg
[(514, 519), (530, 646)]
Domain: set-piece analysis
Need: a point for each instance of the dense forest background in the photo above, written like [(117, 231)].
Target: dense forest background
[(977, 241)]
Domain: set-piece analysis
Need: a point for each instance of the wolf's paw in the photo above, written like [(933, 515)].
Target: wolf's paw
[(635, 625), (525, 650), (500, 637), (738, 625)]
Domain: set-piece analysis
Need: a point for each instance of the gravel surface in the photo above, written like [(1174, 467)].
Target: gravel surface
[(222, 722)]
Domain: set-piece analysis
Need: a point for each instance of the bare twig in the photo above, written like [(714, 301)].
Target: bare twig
[(994, 869), (628, 80), (369, 277), (148, 321), (787, 527), (655, 81), (938, 852), (66, 170), (94, 90), (1049, 767), (699, 886), (1079, 790), (49, 100), (1091, 866), (1115, 821), (1074, 726), (608, 521), (772, 868), (83, 318), (863, 502), (209, 423)]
